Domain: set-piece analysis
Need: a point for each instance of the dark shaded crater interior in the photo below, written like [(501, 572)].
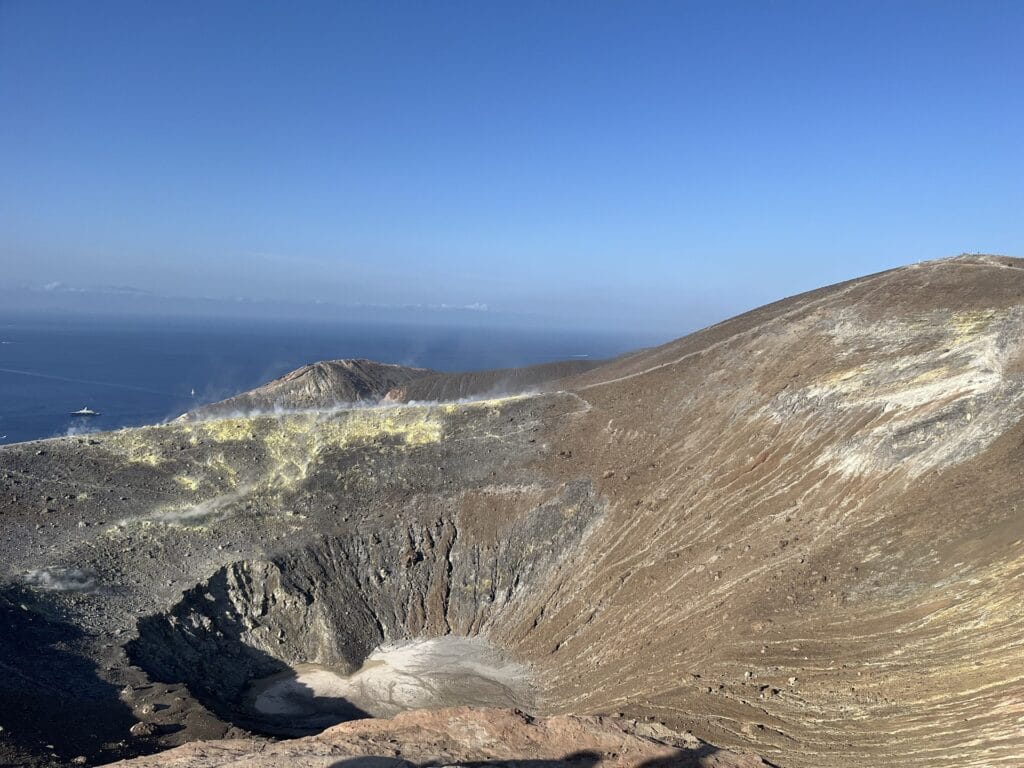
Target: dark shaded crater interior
[(364, 625)]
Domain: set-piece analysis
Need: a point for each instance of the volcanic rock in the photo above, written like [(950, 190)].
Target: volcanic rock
[(460, 736)]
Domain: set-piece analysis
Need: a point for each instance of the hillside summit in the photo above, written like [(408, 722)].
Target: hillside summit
[(333, 384), (793, 537)]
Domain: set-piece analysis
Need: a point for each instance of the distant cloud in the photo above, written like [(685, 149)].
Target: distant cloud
[(130, 291), (120, 290), (476, 306), (124, 290)]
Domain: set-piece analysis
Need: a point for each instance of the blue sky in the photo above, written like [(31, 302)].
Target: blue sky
[(622, 164)]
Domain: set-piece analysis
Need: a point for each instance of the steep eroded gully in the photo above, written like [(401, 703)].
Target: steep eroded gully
[(364, 625)]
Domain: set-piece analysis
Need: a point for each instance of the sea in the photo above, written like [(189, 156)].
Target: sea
[(137, 371)]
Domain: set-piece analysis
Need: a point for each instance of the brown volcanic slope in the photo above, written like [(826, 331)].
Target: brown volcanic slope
[(795, 532), (437, 387)]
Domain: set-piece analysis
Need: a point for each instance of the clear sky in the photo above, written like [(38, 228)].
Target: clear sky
[(641, 164)]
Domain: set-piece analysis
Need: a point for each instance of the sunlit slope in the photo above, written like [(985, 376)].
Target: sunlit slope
[(814, 538)]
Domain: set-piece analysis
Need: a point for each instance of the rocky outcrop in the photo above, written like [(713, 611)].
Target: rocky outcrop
[(486, 737)]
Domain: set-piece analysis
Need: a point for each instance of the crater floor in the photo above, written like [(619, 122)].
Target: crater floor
[(430, 673)]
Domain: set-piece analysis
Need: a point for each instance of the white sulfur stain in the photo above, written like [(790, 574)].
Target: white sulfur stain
[(940, 403), (204, 508), (60, 579)]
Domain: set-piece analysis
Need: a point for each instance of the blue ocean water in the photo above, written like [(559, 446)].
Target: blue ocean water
[(142, 371)]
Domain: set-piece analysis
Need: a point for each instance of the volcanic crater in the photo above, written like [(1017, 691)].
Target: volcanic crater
[(791, 537)]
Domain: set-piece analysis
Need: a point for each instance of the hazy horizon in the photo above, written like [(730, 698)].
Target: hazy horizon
[(654, 166)]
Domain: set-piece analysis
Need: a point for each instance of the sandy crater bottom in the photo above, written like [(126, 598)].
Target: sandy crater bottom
[(426, 673)]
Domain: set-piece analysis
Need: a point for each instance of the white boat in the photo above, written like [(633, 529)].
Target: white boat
[(85, 412)]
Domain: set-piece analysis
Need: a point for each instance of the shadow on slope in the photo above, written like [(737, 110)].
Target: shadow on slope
[(50, 692), (686, 758)]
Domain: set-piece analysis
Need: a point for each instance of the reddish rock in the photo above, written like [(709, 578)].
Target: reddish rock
[(500, 737)]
